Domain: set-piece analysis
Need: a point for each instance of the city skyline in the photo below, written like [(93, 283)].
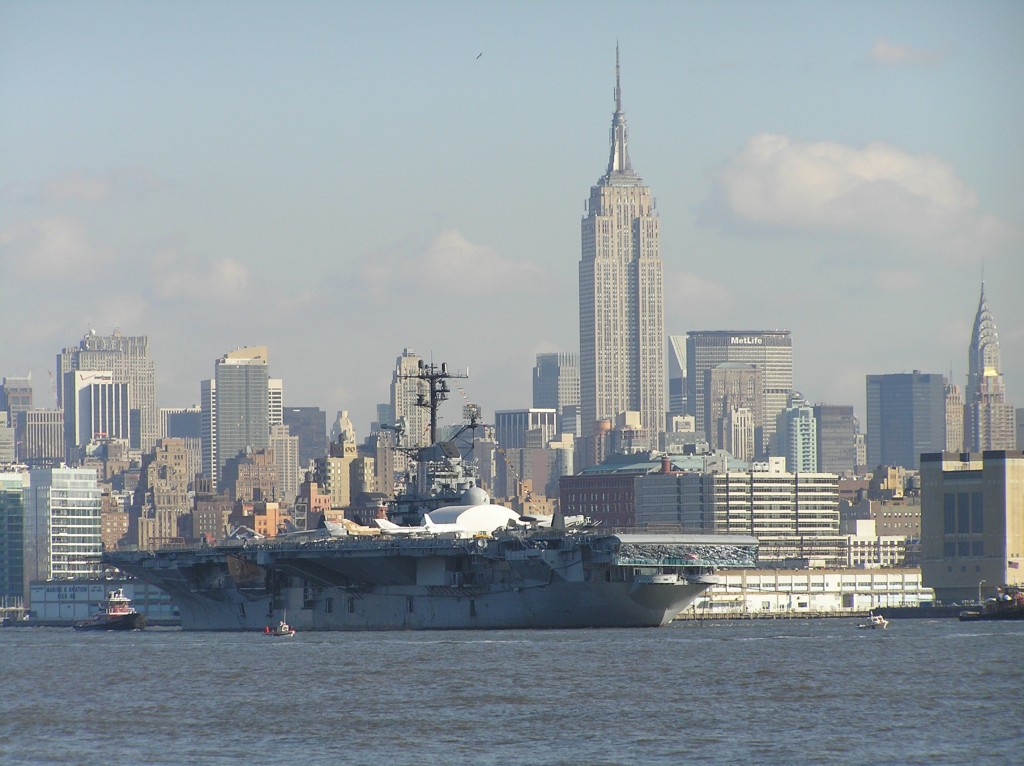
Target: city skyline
[(338, 177)]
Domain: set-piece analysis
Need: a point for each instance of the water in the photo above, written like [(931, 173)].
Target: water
[(756, 692)]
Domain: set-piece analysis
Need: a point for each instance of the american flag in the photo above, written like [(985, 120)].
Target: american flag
[(1013, 564)]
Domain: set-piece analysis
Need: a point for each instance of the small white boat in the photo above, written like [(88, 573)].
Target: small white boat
[(282, 629), (874, 621)]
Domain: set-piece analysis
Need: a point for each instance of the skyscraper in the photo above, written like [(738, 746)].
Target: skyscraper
[(161, 497), (242, 407), (286, 456), (180, 422), (63, 529), (95, 408), (728, 387), (797, 435), (44, 437), (738, 434), (622, 337), (989, 422), (513, 427), (12, 534), (7, 451), (955, 413), (185, 423), (771, 351), (556, 386), (837, 438), (127, 358), (275, 402), (677, 375), (15, 398), (906, 417), (208, 429), (310, 425), (16, 395), (406, 391)]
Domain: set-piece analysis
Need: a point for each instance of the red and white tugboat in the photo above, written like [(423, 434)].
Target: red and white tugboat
[(116, 613)]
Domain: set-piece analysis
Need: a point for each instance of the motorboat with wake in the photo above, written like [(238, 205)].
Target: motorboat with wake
[(874, 622)]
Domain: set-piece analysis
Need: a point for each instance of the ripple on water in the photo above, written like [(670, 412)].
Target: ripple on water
[(808, 691)]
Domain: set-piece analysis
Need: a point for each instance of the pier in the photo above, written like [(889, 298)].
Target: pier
[(12, 610), (701, 616)]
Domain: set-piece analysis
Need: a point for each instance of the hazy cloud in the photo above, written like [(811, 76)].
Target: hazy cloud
[(125, 311), (41, 330), (54, 247), (887, 53), (778, 183), (896, 280), (97, 189), (77, 187), (689, 295), (449, 261), (222, 281)]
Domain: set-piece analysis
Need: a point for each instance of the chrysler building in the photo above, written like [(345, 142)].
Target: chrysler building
[(989, 421), (622, 337)]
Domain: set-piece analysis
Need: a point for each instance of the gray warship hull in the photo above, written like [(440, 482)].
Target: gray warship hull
[(508, 581)]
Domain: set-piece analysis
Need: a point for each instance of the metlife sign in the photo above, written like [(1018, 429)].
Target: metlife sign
[(746, 340)]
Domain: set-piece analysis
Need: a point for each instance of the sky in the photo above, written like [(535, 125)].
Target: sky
[(339, 181)]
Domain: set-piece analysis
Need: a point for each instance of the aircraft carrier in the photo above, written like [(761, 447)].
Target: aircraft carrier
[(456, 562), (539, 579)]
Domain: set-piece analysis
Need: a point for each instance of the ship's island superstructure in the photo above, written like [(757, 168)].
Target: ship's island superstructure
[(467, 564)]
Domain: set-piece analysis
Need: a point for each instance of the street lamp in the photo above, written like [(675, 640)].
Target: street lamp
[(980, 583)]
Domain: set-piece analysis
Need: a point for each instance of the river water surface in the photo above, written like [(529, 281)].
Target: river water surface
[(751, 692)]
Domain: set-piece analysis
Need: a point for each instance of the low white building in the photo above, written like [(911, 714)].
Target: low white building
[(809, 591), (869, 550), (69, 601)]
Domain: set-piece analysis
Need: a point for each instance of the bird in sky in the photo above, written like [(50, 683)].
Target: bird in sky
[(481, 53)]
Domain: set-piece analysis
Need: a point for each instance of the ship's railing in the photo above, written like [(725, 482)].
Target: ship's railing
[(651, 529), (376, 544), (676, 562), (637, 553), (694, 555), (189, 547)]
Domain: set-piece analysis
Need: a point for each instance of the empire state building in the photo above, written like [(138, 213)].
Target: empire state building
[(622, 337)]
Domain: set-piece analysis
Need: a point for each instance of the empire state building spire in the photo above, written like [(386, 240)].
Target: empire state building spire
[(622, 313), (618, 162)]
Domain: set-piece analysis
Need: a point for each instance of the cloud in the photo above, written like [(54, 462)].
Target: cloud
[(127, 183), (889, 54), (223, 281), (449, 261), (896, 280), (56, 247), (77, 187), (126, 311), (688, 295), (776, 183)]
